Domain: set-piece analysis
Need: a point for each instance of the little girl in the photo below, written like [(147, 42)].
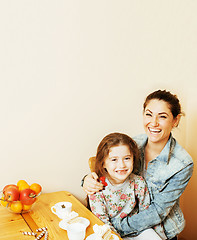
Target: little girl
[(125, 193)]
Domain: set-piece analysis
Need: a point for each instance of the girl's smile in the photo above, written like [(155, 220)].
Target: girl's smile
[(118, 164)]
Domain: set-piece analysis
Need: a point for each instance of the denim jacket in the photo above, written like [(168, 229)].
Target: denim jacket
[(167, 176)]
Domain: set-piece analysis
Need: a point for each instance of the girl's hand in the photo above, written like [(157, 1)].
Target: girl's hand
[(91, 184)]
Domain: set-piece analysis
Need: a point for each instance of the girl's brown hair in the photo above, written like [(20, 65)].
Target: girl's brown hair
[(112, 140)]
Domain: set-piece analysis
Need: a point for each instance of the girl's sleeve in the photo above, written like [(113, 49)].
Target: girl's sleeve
[(98, 207), (142, 193)]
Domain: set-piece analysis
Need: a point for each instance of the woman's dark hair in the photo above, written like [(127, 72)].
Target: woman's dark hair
[(112, 140), (169, 98)]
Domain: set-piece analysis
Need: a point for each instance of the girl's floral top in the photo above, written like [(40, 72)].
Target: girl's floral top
[(120, 200)]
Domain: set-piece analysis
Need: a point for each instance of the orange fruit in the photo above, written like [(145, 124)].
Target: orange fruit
[(27, 207), (22, 184), (16, 206), (36, 187), (4, 203)]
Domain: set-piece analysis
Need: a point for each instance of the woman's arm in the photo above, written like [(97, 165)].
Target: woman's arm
[(160, 206), (91, 184)]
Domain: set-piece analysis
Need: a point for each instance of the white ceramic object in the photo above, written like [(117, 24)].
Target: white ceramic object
[(62, 209), (94, 236), (64, 223), (76, 231)]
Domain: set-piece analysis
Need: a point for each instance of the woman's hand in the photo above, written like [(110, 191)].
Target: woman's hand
[(91, 184)]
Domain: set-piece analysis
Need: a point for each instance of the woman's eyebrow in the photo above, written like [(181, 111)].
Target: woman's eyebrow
[(161, 113), (148, 110)]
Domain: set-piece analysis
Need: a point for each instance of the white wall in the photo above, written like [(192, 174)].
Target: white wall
[(73, 71)]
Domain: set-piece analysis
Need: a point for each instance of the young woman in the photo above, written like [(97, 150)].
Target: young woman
[(165, 165), (125, 193)]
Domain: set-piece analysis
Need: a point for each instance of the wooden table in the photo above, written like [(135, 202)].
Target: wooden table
[(12, 225)]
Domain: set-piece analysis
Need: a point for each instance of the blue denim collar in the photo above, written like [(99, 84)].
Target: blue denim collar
[(165, 153)]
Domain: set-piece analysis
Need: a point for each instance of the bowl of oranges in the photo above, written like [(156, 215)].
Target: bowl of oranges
[(21, 197)]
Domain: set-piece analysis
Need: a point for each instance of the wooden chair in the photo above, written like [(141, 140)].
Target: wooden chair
[(91, 163)]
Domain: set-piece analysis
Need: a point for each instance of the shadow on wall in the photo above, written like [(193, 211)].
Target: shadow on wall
[(189, 197)]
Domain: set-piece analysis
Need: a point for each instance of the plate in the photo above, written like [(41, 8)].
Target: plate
[(64, 223), (93, 236)]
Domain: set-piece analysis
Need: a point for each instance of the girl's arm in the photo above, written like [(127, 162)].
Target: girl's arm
[(142, 194), (160, 206), (98, 207)]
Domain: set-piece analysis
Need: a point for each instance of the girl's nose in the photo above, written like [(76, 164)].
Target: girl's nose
[(121, 163)]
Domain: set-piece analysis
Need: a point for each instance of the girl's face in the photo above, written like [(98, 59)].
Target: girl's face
[(158, 121), (119, 164)]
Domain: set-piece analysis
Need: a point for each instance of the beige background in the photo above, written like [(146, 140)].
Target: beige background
[(73, 71)]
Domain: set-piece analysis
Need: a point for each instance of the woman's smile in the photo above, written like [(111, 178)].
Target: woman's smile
[(154, 131)]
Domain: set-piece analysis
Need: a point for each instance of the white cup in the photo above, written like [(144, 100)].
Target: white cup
[(76, 231), (62, 209)]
